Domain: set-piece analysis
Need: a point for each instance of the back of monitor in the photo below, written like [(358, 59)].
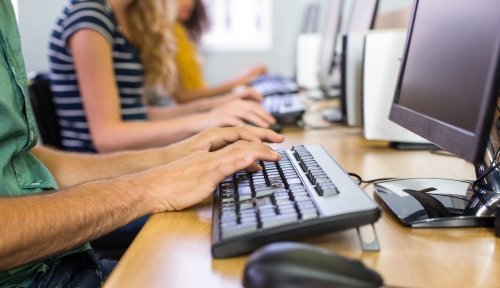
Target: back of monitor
[(352, 77), (382, 59), (308, 47)]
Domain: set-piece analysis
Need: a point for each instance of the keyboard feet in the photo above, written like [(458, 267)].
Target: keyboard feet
[(373, 246)]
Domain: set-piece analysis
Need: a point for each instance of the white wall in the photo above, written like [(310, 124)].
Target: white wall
[(286, 22), (36, 19), (287, 19)]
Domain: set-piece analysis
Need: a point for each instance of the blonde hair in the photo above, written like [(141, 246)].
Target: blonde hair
[(150, 23)]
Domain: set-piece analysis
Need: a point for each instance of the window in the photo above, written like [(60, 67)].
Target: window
[(238, 25)]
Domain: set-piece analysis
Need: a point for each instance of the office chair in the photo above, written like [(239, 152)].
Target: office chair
[(113, 244), (44, 109)]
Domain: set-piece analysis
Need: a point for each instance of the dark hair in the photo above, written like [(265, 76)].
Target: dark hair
[(198, 22)]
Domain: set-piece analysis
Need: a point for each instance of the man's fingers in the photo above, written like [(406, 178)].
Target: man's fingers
[(254, 167), (265, 135), (242, 155), (220, 137)]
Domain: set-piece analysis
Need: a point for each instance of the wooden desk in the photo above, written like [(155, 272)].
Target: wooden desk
[(173, 249)]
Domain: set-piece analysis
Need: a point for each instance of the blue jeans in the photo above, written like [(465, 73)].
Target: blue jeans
[(76, 270), (114, 244)]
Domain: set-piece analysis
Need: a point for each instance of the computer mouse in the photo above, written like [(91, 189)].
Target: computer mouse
[(291, 264)]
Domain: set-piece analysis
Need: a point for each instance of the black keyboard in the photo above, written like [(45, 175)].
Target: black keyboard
[(285, 108), (281, 97), (269, 85), (306, 193)]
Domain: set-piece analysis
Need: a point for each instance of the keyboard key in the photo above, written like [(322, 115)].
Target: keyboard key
[(263, 193), (228, 217), (232, 231), (246, 205), (287, 210), (249, 219), (282, 204), (295, 180), (308, 214), (278, 220), (327, 189)]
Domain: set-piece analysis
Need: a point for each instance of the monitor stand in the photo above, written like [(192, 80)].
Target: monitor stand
[(333, 115), (431, 202)]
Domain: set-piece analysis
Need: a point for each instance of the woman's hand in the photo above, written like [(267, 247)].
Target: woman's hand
[(240, 112), (240, 93), (251, 73)]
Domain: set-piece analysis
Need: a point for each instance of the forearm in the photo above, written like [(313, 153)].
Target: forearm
[(183, 96), (170, 112), (120, 135), (73, 168), (43, 225)]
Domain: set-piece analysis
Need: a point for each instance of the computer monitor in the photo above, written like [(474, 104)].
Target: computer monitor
[(348, 70), (362, 15), (447, 93), (310, 20), (329, 42)]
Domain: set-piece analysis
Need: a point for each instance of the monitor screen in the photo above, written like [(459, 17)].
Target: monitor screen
[(448, 82), (362, 16), (329, 41)]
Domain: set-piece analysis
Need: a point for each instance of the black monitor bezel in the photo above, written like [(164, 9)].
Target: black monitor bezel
[(451, 138)]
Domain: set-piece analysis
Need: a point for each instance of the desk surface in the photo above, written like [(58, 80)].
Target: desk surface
[(173, 249)]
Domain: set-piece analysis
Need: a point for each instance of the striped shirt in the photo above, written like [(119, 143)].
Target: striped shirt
[(129, 73)]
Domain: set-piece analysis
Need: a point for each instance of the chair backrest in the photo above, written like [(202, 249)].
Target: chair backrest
[(44, 109)]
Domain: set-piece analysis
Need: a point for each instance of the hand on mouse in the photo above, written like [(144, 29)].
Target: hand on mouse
[(190, 180)]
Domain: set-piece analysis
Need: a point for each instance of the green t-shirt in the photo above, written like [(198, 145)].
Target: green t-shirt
[(20, 172)]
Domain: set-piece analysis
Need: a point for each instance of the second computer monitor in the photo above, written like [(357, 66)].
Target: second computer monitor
[(449, 79), (329, 41), (362, 15), (447, 92)]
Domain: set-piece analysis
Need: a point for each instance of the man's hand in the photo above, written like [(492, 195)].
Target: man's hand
[(192, 179), (213, 139)]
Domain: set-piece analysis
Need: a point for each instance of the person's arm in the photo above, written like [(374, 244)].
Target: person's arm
[(203, 105), (73, 168), (92, 55), (183, 95), (69, 168), (47, 224)]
